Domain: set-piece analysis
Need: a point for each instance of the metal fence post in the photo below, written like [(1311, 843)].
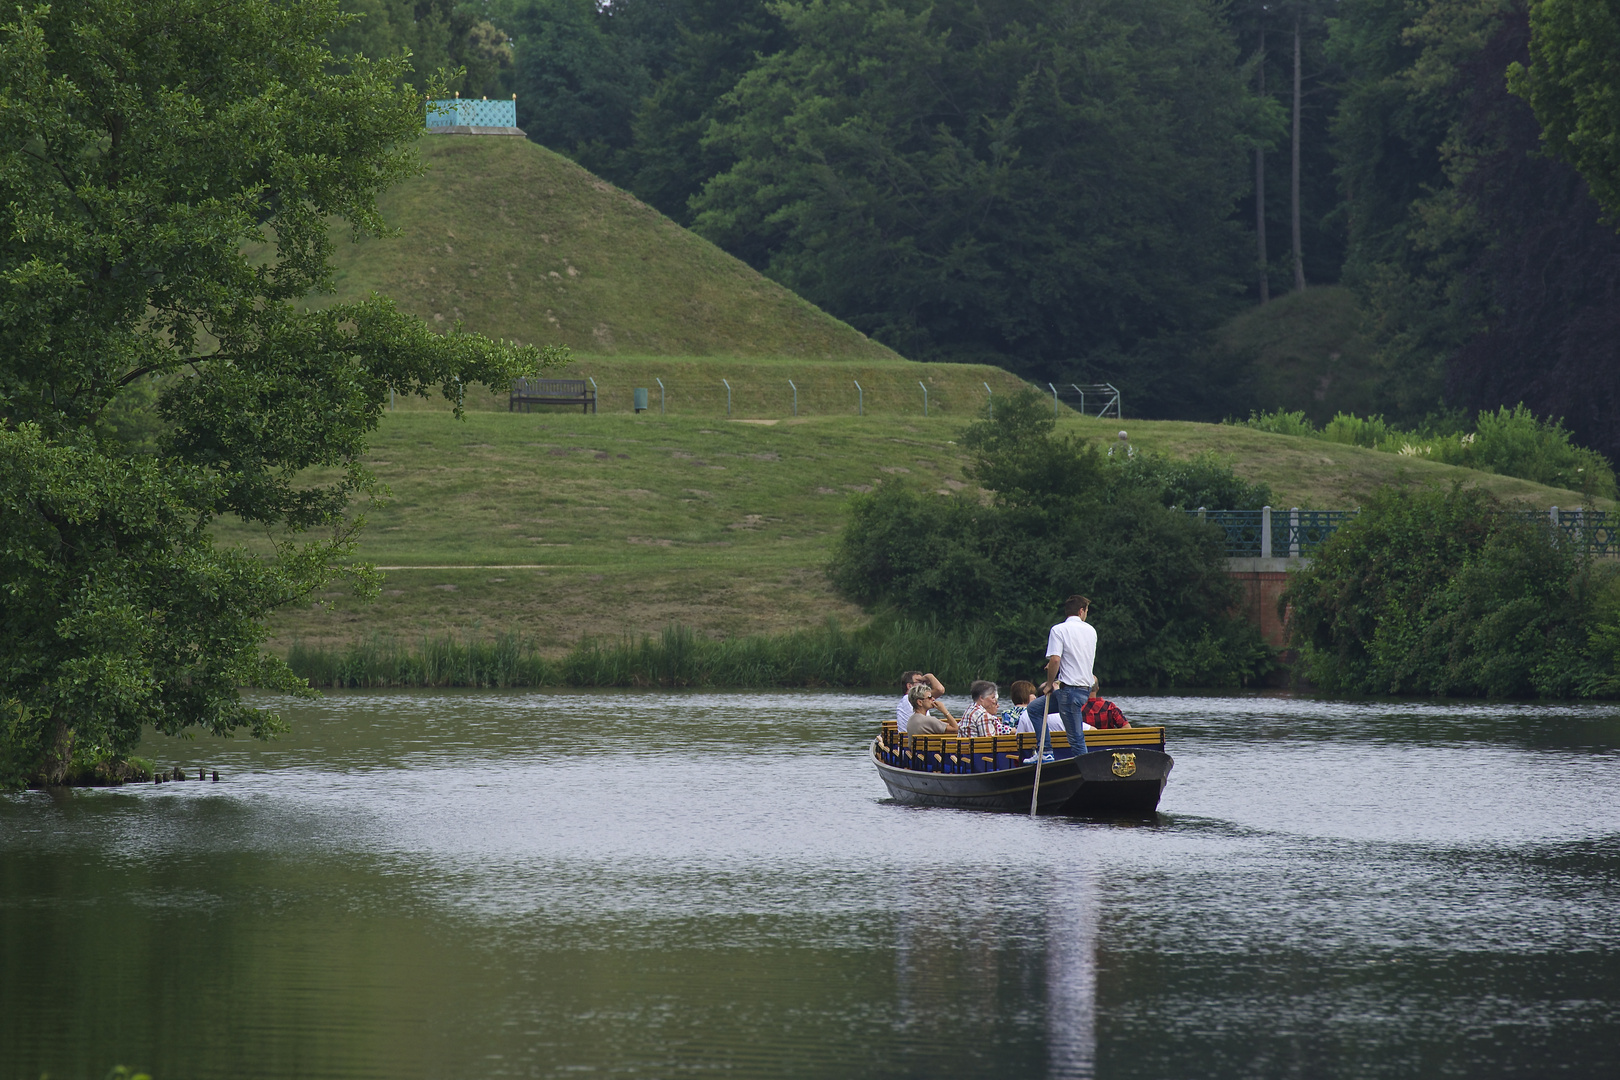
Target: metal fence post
[(1553, 514), (925, 396), (795, 398), (990, 400), (661, 394), (1293, 532), (1082, 394), (1200, 513), (1052, 388), (1265, 532), (860, 399), (728, 396)]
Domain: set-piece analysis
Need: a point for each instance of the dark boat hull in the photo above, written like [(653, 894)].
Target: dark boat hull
[(1120, 782), (1088, 784), (1007, 789)]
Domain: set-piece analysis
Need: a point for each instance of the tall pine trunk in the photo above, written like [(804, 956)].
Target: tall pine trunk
[(1260, 189), (1299, 253)]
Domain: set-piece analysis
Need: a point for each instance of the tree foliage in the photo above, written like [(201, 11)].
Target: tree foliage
[(1065, 518), (143, 143), (1573, 82), (457, 39), (1048, 187), (1454, 593)]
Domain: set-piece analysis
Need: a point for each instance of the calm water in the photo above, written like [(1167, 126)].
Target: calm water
[(494, 885)]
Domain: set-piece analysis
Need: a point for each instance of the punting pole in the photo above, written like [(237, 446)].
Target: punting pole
[(1040, 751)]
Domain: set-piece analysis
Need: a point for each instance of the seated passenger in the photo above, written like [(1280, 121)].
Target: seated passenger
[(902, 708), (982, 719), (1022, 691), (1032, 707), (920, 723), (1101, 713)]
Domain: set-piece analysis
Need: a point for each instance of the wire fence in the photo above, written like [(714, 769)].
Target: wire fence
[(792, 392)]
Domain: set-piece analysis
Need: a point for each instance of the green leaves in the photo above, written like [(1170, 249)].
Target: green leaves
[(143, 145), (1063, 520), (1453, 592), (1573, 82), (1041, 187)]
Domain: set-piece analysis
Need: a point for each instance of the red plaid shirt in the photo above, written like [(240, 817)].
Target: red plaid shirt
[(1102, 713)]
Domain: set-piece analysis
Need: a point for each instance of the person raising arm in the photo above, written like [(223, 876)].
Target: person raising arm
[(920, 722), (902, 708)]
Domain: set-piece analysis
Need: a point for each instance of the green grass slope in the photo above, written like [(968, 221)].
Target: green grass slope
[(562, 525), (521, 243)]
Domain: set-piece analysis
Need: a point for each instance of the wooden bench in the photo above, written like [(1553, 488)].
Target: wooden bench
[(527, 392)]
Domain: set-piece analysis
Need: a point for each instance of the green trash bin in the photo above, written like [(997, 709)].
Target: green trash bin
[(641, 399)]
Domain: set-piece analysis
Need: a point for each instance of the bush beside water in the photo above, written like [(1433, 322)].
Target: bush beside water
[(1509, 442), (1456, 593)]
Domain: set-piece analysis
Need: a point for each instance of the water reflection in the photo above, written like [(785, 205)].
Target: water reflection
[(651, 885)]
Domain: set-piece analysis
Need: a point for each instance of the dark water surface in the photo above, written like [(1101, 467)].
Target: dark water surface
[(493, 885)]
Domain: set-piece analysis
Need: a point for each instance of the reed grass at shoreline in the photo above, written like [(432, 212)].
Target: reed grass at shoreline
[(824, 656)]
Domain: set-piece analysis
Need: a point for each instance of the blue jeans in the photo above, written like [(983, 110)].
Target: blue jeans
[(1067, 701)]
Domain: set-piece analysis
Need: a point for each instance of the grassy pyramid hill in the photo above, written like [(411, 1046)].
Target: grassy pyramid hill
[(519, 242), (561, 525)]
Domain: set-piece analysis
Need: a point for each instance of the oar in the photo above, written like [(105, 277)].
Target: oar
[(1040, 752)]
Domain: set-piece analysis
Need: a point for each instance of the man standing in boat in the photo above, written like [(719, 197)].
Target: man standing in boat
[(1071, 650)]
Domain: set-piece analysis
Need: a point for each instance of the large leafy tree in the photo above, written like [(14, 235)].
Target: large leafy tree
[(1046, 186), (1573, 81), (1485, 273), (143, 144)]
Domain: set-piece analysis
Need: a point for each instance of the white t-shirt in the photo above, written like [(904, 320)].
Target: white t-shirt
[(902, 711), (1075, 642), (1054, 722)]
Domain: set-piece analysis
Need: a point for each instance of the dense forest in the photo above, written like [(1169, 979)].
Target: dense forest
[(1086, 189)]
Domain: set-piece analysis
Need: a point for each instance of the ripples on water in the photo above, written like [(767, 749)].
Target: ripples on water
[(441, 884)]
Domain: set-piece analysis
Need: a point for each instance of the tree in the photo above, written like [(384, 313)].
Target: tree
[(1573, 82), (1049, 187), (437, 33), (718, 41), (584, 71), (143, 144), (1064, 519)]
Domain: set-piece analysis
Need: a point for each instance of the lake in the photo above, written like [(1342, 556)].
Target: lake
[(517, 884)]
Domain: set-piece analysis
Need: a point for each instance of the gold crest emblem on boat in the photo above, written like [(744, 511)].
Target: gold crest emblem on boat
[(1124, 764)]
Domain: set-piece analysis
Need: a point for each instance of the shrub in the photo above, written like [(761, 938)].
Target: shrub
[(1454, 593), (1510, 442), (1063, 520)]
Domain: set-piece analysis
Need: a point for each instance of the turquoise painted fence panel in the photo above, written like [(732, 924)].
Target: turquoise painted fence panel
[(469, 112)]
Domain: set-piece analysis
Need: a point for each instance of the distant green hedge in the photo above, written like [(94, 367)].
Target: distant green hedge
[(1509, 442)]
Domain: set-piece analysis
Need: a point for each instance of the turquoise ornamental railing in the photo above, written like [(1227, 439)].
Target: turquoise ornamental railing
[(470, 112), (1292, 533)]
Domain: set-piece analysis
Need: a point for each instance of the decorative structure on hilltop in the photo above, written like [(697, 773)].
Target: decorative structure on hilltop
[(466, 116)]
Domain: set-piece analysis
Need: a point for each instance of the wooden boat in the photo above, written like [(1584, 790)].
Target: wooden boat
[(1123, 772)]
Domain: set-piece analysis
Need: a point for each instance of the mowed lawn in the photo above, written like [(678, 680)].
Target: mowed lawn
[(560, 525), (613, 524)]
